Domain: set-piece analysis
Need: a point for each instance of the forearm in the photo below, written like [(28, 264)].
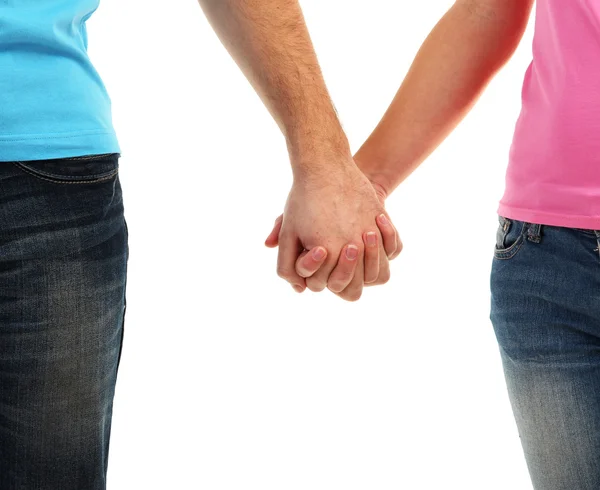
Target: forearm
[(460, 56), (269, 41)]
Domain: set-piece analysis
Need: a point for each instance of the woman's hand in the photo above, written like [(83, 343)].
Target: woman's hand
[(310, 261)]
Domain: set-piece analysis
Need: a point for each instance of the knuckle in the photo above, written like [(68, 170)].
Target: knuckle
[(335, 287), (315, 286), (346, 275), (395, 252), (372, 272), (351, 295), (345, 272), (284, 273), (384, 277), (370, 279)]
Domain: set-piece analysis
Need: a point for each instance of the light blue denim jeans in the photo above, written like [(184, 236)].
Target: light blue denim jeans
[(63, 263), (545, 311)]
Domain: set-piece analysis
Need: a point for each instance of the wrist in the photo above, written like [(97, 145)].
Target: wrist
[(376, 174), (315, 135), (319, 155)]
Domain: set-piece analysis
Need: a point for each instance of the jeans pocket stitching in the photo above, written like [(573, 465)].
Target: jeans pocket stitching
[(87, 157), (506, 225), (66, 180), (508, 253)]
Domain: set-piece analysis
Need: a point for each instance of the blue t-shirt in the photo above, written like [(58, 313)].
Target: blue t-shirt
[(53, 103)]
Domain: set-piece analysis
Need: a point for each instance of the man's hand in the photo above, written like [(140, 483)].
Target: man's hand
[(335, 233), (331, 203)]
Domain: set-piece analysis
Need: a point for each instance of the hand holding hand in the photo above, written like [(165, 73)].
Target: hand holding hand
[(338, 235)]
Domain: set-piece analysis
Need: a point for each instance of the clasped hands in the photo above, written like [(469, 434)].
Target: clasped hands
[(334, 232)]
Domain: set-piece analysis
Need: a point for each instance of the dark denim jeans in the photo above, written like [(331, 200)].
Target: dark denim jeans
[(63, 265), (545, 311)]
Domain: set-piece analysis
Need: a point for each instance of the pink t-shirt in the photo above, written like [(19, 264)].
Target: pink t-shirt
[(553, 175)]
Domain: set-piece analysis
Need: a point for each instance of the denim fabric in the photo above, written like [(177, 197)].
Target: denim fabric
[(63, 265), (545, 311)]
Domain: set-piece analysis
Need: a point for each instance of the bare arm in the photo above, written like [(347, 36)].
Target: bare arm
[(467, 47), (269, 41), (331, 203)]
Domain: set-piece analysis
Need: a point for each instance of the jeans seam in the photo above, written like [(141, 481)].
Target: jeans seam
[(59, 181)]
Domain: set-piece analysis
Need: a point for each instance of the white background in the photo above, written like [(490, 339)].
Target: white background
[(231, 380)]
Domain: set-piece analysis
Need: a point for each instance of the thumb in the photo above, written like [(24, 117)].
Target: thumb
[(273, 239)]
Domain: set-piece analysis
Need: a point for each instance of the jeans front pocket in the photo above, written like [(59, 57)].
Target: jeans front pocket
[(509, 237)]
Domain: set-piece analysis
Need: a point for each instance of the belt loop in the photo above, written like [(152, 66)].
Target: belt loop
[(534, 232)]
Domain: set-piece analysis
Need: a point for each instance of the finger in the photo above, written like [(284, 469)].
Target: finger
[(399, 247), (289, 249), (371, 241), (310, 261), (398, 242), (317, 282), (345, 270), (384, 271), (388, 233), (273, 238), (353, 291)]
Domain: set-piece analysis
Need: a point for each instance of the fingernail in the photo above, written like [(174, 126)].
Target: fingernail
[(383, 219), (371, 239), (297, 288), (351, 252), (318, 253)]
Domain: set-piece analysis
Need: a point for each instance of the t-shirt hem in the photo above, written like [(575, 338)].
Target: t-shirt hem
[(545, 218), (40, 147)]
